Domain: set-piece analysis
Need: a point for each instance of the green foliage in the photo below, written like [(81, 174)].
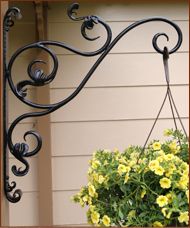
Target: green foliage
[(139, 187)]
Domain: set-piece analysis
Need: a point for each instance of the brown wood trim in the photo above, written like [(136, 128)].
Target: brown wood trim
[(122, 1), (4, 210)]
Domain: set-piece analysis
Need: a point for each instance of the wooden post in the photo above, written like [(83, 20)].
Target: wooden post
[(43, 126), (4, 209)]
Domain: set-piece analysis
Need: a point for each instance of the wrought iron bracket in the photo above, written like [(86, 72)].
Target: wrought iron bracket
[(37, 77)]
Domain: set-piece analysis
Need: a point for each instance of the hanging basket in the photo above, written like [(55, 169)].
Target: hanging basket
[(142, 186)]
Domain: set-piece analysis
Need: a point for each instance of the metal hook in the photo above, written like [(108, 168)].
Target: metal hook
[(166, 53), (165, 60)]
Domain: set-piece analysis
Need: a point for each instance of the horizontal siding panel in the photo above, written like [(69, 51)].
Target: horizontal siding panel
[(25, 212), (82, 138), (28, 182), (21, 40), (118, 103), (137, 40), (121, 70), (73, 169), (16, 107), (130, 10), (73, 172), (66, 212)]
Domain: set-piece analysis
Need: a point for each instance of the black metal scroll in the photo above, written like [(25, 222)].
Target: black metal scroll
[(37, 77)]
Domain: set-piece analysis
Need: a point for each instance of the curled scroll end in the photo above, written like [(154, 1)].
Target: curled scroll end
[(9, 187), (20, 171), (11, 14), (20, 88), (19, 151), (37, 75), (155, 42), (15, 197), (39, 143), (71, 12), (89, 24), (17, 194), (14, 13)]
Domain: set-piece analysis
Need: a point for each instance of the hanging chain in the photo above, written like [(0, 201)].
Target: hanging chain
[(173, 106)]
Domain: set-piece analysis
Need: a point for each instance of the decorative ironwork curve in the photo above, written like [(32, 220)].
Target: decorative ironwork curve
[(37, 77)]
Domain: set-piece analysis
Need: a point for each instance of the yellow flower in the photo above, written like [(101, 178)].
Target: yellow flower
[(159, 171), (165, 182), (167, 132), (156, 146), (134, 155), (92, 208), (169, 196), (177, 159), (172, 167), (131, 214), (169, 172), (160, 158), (132, 162), (157, 224), (95, 164), (91, 190), (95, 217), (160, 153), (164, 211), (126, 178), (173, 147), (85, 198), (90, 170), (106, 162), (153, 164), (89, 200), (168, 157), (94, 176), (106, 220), (143, 193), (184, 166), (122, 169), (184, 217), (128, 169), (162, 201), (168, 215), (101, 179), (183, 182), (123, 160)]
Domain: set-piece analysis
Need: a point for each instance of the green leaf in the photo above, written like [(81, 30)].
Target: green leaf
[(175, 203), (121, 214), (114, 206)]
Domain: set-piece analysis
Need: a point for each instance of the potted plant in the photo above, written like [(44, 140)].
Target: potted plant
[(139, 187)]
